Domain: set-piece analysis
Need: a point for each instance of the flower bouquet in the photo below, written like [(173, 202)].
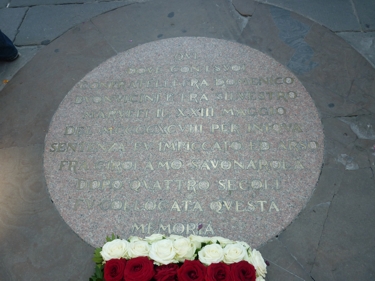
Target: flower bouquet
[(177, 258)]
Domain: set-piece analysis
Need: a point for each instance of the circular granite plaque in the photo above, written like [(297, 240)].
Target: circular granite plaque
[(184, 136)]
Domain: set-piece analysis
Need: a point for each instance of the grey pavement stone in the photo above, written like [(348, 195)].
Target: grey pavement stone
[(43, 84), (336, 130), (29, 3), (3, 3), (244, 7), (333, 151), (27, 214), (343, 148), (366, 13), (10, 20), (241, 19), (308, 227), (9, 69), (328, 185), (362, 153), (339, 141), (211, 18), (39, 25), (348, 161), (253, 35), (364, 43), (347, 240), (363, 126), (344, 76), (293, 32), (337, 15), (283, 265)]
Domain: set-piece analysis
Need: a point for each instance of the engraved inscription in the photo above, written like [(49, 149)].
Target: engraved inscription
[(184, 141)]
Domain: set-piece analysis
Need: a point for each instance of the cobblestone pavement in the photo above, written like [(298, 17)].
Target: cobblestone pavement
[(60, 41)]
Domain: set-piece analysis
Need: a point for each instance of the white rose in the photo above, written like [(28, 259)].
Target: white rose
[(185, 249), (260, 278), (134, 238), (175, 237), (115, 249), (221, 240), (256, 259), (245, 245), (139, 249), (162, 252), (211, 254), (154, 238), (234, 253), (198, 240)]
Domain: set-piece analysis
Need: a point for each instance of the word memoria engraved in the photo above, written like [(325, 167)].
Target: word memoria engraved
[(174, 228), (184, 136)]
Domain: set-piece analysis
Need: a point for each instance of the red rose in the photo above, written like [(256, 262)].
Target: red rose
[(218, 272), (114, 270), (191, 271), (139, 269), (166, 272), (242, 271)]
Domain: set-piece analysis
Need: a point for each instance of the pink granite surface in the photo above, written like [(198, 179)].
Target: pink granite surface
[(182, 134)]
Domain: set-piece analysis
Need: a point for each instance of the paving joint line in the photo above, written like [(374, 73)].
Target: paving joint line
[(295, 259), (67, 4), (327, 215), (372, 170), (103, 35), (356, 15), (244, 19), (285, 269), (19, 26), (321, 234), (354, 31), (90, 20), (351, 115)]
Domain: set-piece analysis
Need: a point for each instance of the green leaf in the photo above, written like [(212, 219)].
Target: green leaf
[(113, 237), (97, 258), (98, 275), (99, 271)]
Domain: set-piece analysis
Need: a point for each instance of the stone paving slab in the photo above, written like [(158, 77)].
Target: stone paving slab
[(10, 20), (340, 94), (244, 7), (38, 26), (348, 223), (21, 3), (309, 226), (364, 43), (337, 15), (3, 3), (8, 70), (160, 21), (365, 10), (26, 124), (28, 217), (284, 264)]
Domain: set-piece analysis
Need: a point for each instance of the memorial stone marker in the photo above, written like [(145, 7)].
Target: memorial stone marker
[(184, 136)]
